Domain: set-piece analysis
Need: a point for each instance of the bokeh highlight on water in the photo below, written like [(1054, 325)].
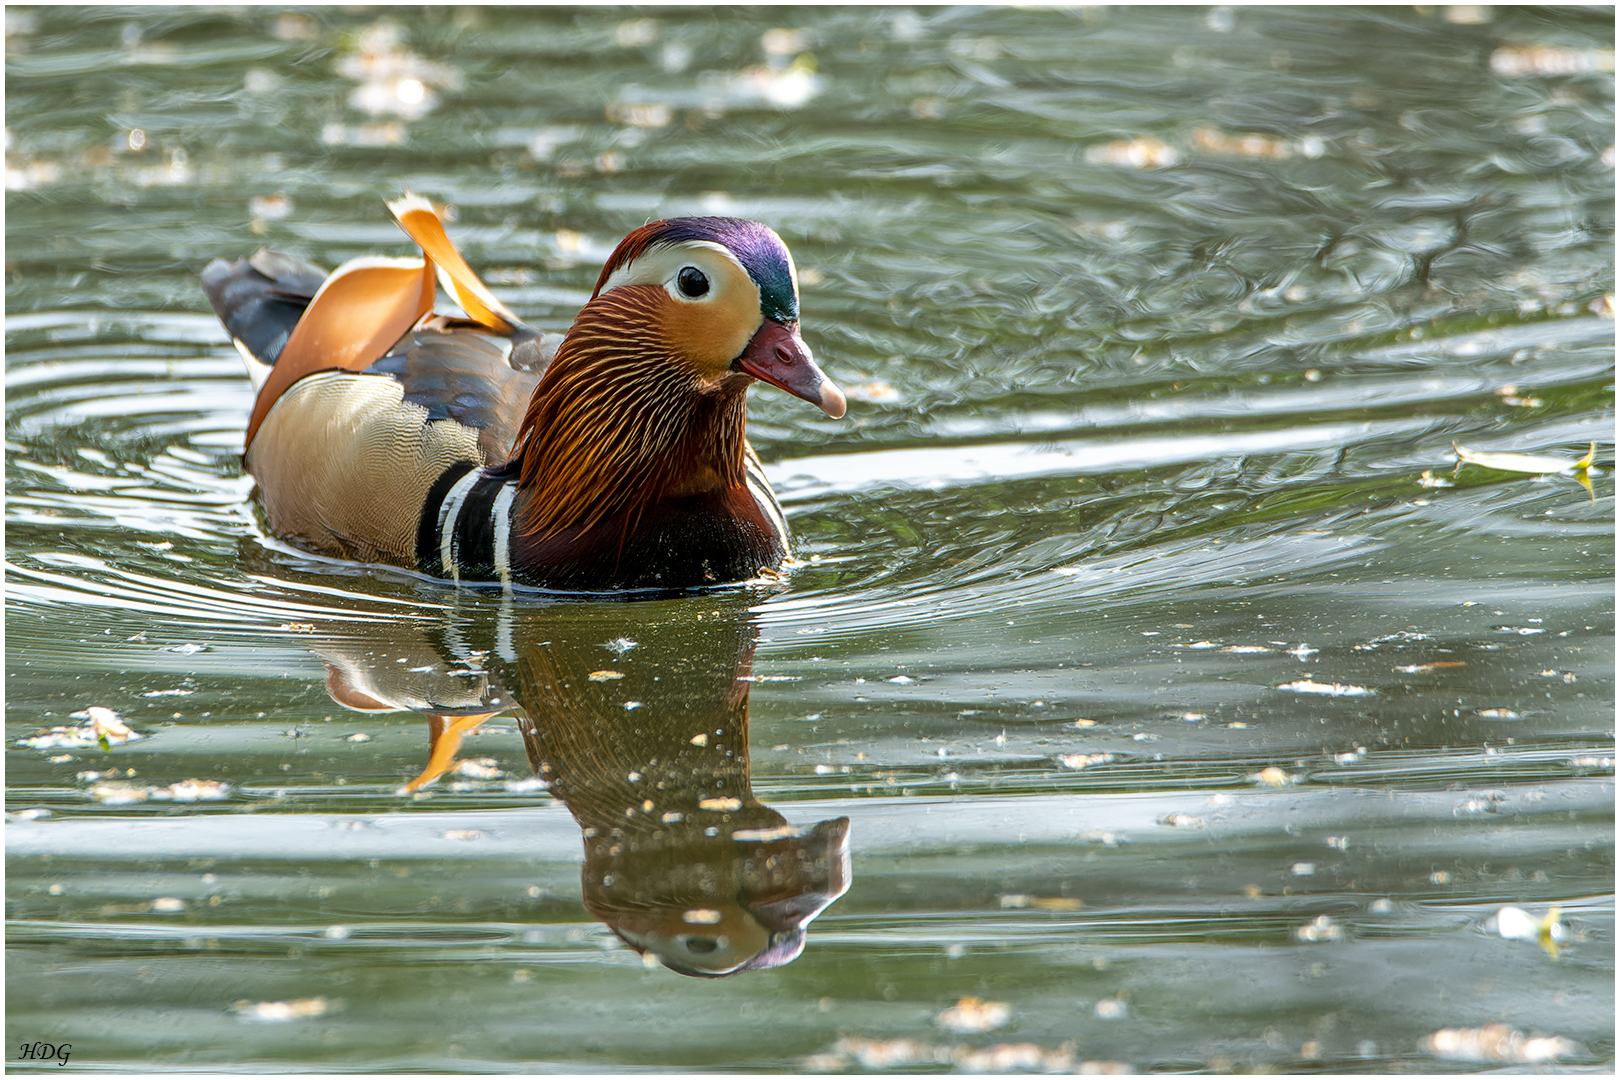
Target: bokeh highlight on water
[(1189, 706)]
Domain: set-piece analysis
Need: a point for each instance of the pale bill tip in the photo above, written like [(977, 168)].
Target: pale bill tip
[(830, 398)]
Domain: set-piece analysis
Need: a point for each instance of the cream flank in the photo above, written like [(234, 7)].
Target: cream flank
[(344, 465)]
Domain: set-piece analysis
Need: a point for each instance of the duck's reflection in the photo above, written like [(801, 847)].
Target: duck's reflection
[(636, 715)]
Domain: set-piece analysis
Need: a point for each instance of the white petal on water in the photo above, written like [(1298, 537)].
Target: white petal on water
[(1309, 686)]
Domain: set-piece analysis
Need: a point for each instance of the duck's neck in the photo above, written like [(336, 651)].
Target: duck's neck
[(616, 426)]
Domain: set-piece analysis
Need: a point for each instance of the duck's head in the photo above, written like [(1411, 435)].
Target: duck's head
[(719, 296), (645, 396)]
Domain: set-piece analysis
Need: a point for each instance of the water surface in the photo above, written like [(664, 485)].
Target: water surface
[(1174, 687)]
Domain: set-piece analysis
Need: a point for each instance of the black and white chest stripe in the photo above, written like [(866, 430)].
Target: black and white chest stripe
[(465, 530), (760, 488)]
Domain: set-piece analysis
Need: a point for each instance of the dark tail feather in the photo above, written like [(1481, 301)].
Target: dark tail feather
[(260, 299)]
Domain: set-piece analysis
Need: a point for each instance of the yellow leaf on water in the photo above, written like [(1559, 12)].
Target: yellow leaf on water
[(1525, 463)]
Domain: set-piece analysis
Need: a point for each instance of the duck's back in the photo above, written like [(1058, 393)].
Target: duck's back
[(346, 461)]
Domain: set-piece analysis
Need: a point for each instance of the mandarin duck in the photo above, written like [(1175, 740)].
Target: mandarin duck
[(475, 448)]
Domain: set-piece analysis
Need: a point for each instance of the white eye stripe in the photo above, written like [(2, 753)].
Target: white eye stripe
[(662, 264)]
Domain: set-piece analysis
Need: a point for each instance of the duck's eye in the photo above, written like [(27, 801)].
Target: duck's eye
[(692, 282)]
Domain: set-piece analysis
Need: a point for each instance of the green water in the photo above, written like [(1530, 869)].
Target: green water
[(1158, 326)]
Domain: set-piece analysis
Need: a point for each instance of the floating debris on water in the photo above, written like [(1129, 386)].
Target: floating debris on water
[(192, 791), (1510, 396), (103, 774), (1253, 144), (1143, 153), (1497, 714), (1271, 776), (1182, 821), (1012, 1057), (1517, 924), (1021, 901), (605, 676), (1498, 1043), (119, 793), (462, 834), (1245, 649), (1321, 928), (1511, 61), (723, 805), (971, 1015), (876, 392), (1525, 463), (278, 1012), (903, 680), (1080, 761), (105, 729), (358, 737), (878, 1054), (619, 646), (1109, 1009), (480, 769), (168, 905), (1418, 669), (1429, 480), (1308, 686)]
